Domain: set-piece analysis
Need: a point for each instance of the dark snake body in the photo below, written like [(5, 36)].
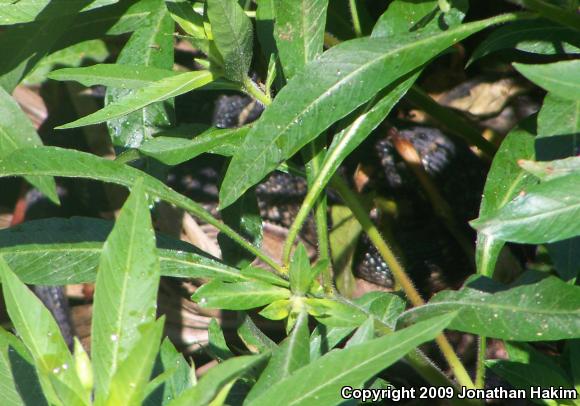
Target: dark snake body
[(430, 253)]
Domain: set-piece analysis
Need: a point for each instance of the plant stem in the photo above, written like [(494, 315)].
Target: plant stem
[(253, 90), (399, 274), (314, 155), (355, 18), (480, 367)]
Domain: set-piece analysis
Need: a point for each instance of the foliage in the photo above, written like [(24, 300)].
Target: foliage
[(328, 74)]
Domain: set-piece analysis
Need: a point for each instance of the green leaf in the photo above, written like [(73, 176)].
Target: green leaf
[(260, 274), (522, 359), (233, 36), (175, 372), (505, 181), (320, 382), (518, 375), (218, 346), (252, 336), (243, 217), (130, 379), (561, 15), (8, 385), (265, 19), (299, 32), (173, 147), (352, 136), (327, 89), (217, 378), (546, 212), (364, 333), (560, 78), (41, 335), (23, 46), (25, 11), (149, 46), (113, 75), (323, 339), (277, 310), (558, 128), (335, 314), (386, 307), (292, 354), (62, 251), (69, 163), (155, 92), (301, 275), (16, 131), (237, 296), (182, 11), (126, 288), (91, 50), (559, 137), (541, 311), (403, 16), (534, 36)]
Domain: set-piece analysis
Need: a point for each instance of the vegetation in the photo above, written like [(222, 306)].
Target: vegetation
[(328, 74)]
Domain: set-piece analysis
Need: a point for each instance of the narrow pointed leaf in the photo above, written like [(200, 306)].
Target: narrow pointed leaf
[(130, 380), (558, 135), (113, 75), (351, 137), (301, 275), (175, 150), (8, 386), (175, 371), (155, 92), (292, 354), (25, 11), (41, 335), (402, 16), (149, 46), (70, 163), (23, 46), (505, 181), (67, 251), (560, 78), (254, 338), (218, 346), (217, 378), (545, 310), (299, 32), (534, 36), (546, 212), (327, 89), (320, 382), (233, 36), (126, 288), (16, 131), (238, 296)]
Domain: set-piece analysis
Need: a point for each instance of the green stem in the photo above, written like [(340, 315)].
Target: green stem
[(355, 18), (480, 367), (399, 274), (315, 155), (253, 90)]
